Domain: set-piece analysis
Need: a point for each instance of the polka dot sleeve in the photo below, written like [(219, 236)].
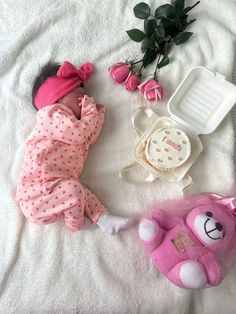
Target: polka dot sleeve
[(97, 130), (57, 122)]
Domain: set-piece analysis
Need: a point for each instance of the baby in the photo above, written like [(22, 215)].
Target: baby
[(68, 122)]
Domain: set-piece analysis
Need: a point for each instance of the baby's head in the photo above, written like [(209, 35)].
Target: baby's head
[(61, 84)]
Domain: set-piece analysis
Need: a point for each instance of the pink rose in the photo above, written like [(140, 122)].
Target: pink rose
[(151, 90), (132, 82), (119, 72)]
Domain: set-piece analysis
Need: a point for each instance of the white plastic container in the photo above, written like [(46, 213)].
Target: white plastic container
[(198, 106)]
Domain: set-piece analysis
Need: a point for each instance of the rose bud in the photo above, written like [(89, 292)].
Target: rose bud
[(119, 72), (132, 82), (151, 90)]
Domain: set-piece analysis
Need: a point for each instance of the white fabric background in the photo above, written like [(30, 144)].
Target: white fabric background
[(49, 269)]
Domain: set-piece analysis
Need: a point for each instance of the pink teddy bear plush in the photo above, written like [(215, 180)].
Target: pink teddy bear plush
[(189, 249)]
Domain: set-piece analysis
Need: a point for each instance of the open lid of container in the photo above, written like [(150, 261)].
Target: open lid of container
[(202, 100)]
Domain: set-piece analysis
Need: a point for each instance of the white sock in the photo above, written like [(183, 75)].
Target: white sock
[(112, 224)]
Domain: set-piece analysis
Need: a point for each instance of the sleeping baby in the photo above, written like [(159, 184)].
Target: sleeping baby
[(68, 122)]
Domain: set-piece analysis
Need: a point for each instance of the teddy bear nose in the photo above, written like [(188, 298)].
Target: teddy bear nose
[(219, 226)]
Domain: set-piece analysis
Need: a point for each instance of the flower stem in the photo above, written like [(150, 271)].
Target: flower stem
[(146, 75), (190, 8), (155, 73), (191, 22), (132, 63), (140, 70)]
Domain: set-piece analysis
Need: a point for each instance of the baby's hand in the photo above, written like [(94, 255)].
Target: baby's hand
[(88, 106), (86, 100)]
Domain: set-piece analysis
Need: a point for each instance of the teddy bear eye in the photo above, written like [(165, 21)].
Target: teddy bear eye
[(209, 214)]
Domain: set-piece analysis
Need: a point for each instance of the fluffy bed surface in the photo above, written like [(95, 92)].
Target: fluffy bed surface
[(48, 269)]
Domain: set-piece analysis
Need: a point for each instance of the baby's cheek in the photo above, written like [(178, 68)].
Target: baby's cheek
[(81, 94)]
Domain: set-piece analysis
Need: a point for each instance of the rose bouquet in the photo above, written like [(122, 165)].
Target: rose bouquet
[(161, 30)]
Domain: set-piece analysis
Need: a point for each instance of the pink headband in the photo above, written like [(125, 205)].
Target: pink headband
[(68, 77)]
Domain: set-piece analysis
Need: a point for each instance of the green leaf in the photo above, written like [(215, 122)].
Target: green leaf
[(179, 5), (142, 10), (182, 37), (158, 39), (149, 57), (146, 44), (135, 34), (149, 27), (164, 61), (167, 38), (179, 24), (170, 27), (165, 47), (183, 22), (166, 23), (166, 10), (160, 31)]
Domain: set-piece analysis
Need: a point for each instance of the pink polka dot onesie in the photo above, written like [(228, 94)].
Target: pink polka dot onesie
[(55, 153)]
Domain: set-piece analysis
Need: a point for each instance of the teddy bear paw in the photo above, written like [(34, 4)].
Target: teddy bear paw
[(193, 275), (147, 229)]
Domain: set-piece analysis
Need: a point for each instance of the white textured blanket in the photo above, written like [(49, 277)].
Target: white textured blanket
[(48, 269)]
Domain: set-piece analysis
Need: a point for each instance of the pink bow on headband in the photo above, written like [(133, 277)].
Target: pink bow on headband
[(68, 77), (68, 70)]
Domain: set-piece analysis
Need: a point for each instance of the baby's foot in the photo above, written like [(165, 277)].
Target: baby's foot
[(112, 224)]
